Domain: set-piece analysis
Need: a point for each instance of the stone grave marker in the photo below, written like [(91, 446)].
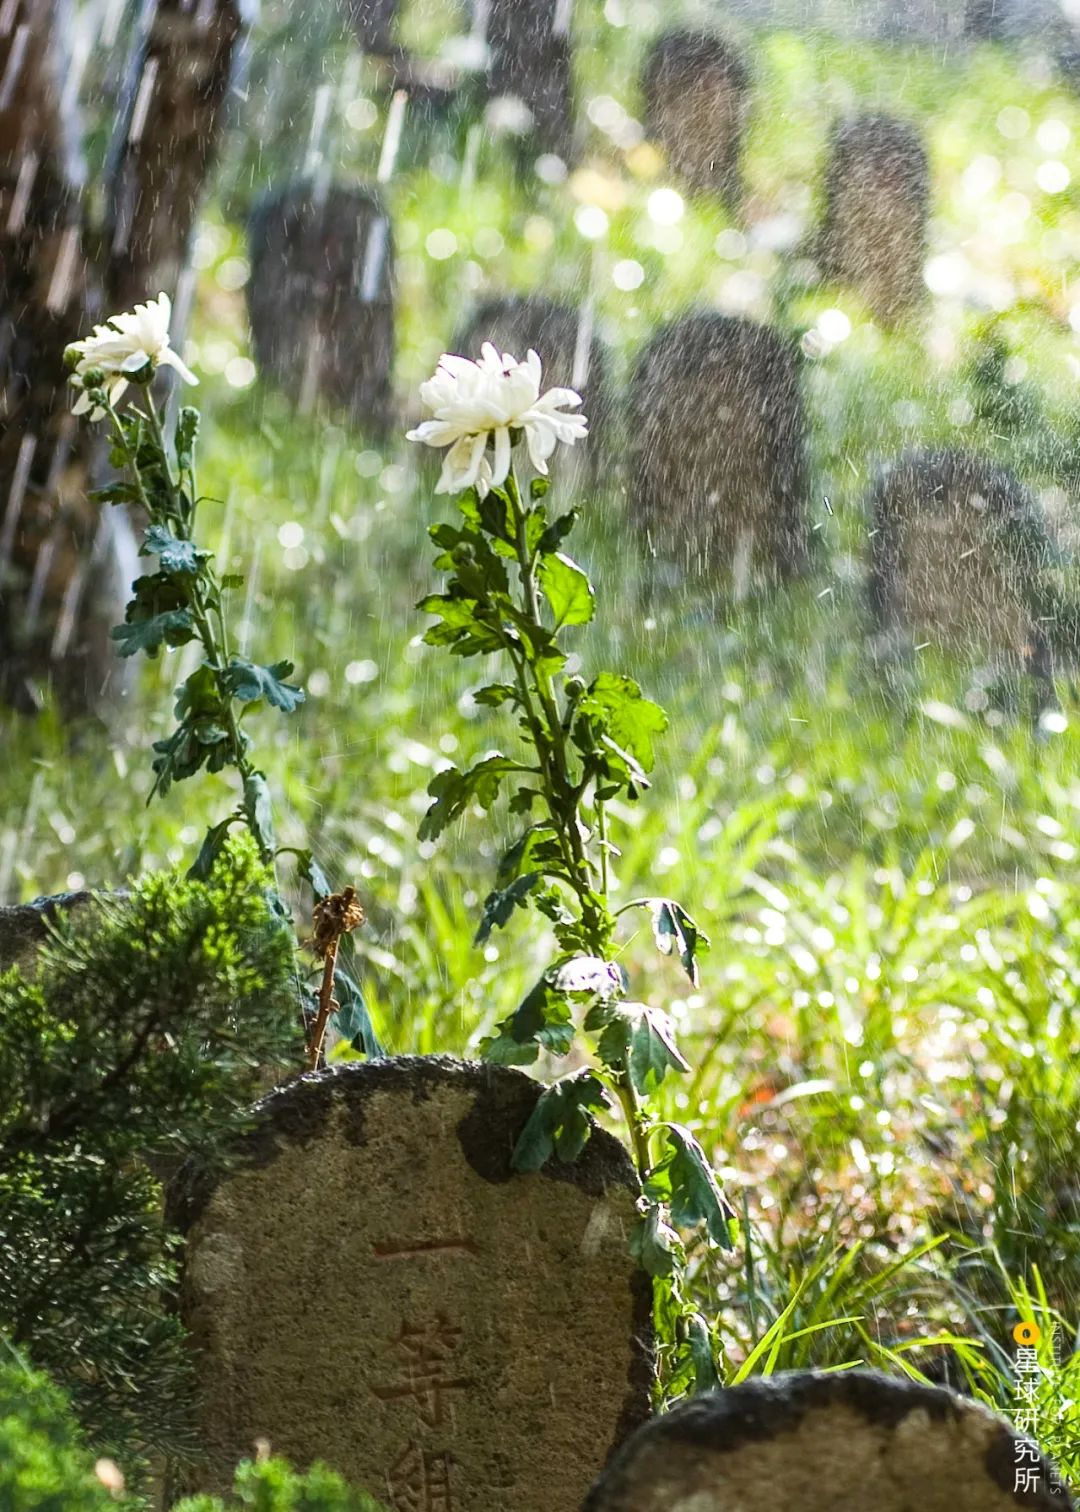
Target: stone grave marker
[(531, 60), (374, 24), (815, 1441), (573, 354), (372, 1286), (321, 298), (718, 464), (696, 92), (957, 547), (877, 195), (24, 927)]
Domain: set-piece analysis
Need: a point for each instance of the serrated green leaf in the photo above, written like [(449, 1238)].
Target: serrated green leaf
[(542, 1020), (587, 976), (652, 1048), (175, 555), (700, 1344), (495, 694), (560, 1123), (248, 681), (567, 589), (613, 706), (174, 627), (115, 493), (500, 904), (453, 790), (686, 1181)]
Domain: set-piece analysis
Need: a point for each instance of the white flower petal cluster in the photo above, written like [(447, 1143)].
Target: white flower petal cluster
[(477, 405), (121, 347)]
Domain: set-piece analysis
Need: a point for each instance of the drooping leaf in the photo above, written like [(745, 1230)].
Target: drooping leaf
[(560, 1123), (675, 930), (453, 790), (313, 874), (352, 1020), (655, 1245), (259, 810), (686, 1181), (555, 533), (212, 846), (175, 555), (500, 904), (248, 681), (700, 1344), (567, 589), (653, 1051)]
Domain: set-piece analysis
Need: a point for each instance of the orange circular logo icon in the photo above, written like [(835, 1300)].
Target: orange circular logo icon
[(1027, 1333)]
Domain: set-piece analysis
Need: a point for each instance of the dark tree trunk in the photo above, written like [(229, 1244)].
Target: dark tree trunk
[(65, 564)]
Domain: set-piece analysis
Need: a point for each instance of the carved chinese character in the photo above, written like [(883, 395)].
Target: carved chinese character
[(419, 1481), (425, 1352)]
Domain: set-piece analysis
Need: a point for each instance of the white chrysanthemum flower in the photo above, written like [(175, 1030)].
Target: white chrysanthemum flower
[(476, 405), (122, 346)]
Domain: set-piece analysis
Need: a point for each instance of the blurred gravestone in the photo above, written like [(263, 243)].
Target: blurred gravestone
[(374, 24), (958, 550), (696, 87), (817, 1442), (372, 1286), (531, 61), (321, 298), (718, 467), (572, 354), (877, 189), (24, 927)]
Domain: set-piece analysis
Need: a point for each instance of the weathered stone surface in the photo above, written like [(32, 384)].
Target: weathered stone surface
[(372, 1286), (718, 475), (573, 355), (957, 548), (532, 61), (819, 1442), (877, 189), (696, 91), (321, 298), (24, 927)]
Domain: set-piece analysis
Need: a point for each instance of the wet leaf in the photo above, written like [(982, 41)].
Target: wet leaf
[(560, 1123), (567, 589)]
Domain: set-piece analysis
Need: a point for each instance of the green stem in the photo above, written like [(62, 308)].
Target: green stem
[(562, 795), (636, 1122)]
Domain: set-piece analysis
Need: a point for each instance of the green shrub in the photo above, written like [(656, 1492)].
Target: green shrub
[(137, 1040), (44, 1466), (272, 1486)]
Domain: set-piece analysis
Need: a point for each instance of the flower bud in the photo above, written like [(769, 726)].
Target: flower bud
[(574, 687)]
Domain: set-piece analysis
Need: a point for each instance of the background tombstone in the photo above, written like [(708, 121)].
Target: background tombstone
[(321, 298), (24, 927), (373, 1287), (531, 60), (877, 193), (696, 89), (718, 467), (958, 548), (572, 353), (818, 1441), (374, 24)]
